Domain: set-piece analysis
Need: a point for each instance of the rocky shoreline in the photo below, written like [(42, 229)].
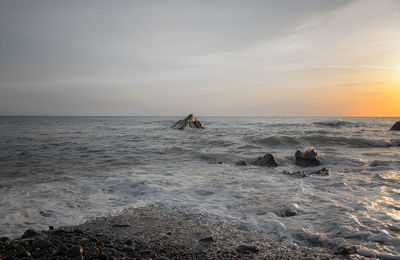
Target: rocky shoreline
[(152, 233)]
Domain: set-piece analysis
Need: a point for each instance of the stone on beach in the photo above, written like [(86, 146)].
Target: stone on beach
[(190, 121), (30, 233), (395, 127), (267, 160), (307, 158)]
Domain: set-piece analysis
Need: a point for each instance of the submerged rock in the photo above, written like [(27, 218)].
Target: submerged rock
[(395, 127), (299, 174), (322, 172), (241, 163), (307, 158), (302, 174), (190, 121), (267, 160)]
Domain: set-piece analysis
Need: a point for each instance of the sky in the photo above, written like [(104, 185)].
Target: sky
[(211, 58)]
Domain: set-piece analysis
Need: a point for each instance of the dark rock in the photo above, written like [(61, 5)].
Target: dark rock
[(41, 243), (74, 251), (23, 253), (267, 160), (190, 121), (5, 240), (290, 213), (345, 250), (78, 231), (31, 233), (93, 239), (395, 127), (322, 172), (145, 252), (61, 250), (241, 163), (51, 228), (299, 174), (129, 250), (129, 242), (207, 239), (307, 158), (247, 249), (102, 257)]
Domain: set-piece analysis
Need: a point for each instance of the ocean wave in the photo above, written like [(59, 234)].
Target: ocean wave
[(319, 140), (336, 122)]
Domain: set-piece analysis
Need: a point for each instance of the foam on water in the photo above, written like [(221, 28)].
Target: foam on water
[(63, 170)]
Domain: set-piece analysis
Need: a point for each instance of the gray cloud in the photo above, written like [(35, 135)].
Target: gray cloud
[(88, 57)]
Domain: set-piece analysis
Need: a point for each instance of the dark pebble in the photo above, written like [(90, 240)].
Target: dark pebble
[(290, 213), (78, 231), (247, 248), (75, 251), (144, 252), (129, 250), (129, 242), (77, 258), (93, 239), (102, 257), (41, 243), (23, 253), (61, 251), (207, 239), (346, 250), (30, 233)]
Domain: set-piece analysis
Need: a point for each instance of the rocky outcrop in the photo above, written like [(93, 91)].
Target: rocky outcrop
[(395, 127), (190, 121), (267, 160), (307, 158)]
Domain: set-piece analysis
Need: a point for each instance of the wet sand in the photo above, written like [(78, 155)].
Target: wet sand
[(153, 233)]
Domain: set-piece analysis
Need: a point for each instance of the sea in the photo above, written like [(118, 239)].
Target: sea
[(64, 170)]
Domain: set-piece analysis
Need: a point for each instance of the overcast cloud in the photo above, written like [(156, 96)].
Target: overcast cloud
[(206, 57)]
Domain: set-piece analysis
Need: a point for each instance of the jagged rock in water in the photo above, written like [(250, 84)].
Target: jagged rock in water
[(190, 121), (322, 172), (267, 160), (307, 158), (395, 127), (302, 174), (299, 174), (241, 163)]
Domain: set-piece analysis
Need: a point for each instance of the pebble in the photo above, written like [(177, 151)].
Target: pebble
[(207, 239), (129, 242), (247, 248), (41, 243), (74, 251), (23, 253), (30, 233)]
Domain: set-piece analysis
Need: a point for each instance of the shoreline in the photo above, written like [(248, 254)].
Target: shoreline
[(152, 233)]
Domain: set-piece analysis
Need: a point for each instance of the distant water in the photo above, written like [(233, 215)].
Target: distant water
[(63, 170)]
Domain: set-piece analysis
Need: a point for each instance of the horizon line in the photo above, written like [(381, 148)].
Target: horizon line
[(287, 116)]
